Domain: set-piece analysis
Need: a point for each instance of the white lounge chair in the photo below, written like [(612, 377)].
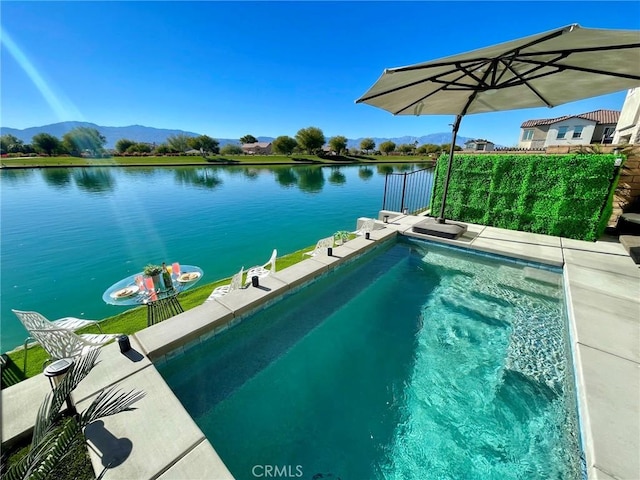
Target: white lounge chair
[(62, 343), (37, 320), (262, 271), (222, 290), (321, 246), (366, 227)]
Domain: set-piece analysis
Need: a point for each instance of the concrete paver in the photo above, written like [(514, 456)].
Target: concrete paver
[(607, 323), (243, 301), (495, 233), (163, 337), (142, 443), (302, 272), (201, 462), (112, 366), (615, 285), (547, 254), (19, 405), (612, 391), (611, 246)]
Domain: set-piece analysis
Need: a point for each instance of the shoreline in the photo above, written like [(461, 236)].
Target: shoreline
[(72, 162)]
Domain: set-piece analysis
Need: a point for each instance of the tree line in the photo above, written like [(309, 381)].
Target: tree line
[(85, 141)]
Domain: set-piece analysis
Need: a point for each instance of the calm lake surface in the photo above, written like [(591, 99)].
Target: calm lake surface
[(68, 234)]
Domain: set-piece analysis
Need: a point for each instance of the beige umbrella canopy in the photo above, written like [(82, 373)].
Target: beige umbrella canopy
[(548, 69)]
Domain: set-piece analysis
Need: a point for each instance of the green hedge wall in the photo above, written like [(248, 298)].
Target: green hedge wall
[(560, 195)]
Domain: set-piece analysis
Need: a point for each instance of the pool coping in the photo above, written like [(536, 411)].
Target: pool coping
[(599, 279)]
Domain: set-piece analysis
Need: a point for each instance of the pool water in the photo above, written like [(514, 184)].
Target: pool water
[(416, 361)]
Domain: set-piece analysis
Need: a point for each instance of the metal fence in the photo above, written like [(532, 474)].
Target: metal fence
[(410, 191)]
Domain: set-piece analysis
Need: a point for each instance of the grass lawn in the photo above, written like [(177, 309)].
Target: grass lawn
[(127, 323), (37, 162)]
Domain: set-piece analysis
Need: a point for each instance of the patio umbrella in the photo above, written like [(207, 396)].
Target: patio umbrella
[(548, 69)]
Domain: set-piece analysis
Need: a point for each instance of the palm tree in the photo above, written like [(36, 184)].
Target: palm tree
[(52, 442)]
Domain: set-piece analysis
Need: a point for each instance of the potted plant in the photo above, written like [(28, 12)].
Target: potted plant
[(154, 272), (341, 237)]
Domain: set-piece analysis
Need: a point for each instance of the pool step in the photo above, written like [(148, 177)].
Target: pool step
[(527, 280), (477, 289), (534, 346)]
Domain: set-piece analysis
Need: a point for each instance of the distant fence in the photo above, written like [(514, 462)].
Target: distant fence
[(410, 191)]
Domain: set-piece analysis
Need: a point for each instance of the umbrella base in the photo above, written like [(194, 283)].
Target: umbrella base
[(448, 230)]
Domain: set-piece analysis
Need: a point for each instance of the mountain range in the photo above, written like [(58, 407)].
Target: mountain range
[(140, 133)]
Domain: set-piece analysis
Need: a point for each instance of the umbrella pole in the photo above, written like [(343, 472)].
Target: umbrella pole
[(456, 125)]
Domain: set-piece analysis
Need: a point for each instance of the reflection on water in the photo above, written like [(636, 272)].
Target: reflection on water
[(57, 177), (286, 177), (69, 233), (365, 173), (95, 179), (337, 177), (384, 169), (198, 177), (15, 175), (310, 179)]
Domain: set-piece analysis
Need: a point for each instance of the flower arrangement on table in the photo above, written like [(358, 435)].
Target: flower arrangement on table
[(152, 270)]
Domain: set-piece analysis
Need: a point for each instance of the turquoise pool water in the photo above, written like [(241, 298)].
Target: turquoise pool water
[(414, 362)]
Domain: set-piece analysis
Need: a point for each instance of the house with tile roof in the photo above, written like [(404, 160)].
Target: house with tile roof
[(479, 145), (583, 129), (257, 148)]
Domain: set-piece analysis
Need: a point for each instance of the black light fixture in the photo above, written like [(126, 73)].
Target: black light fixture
[(56, 372), (124, 343)]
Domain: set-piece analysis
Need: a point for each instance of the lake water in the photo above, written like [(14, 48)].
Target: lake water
[(68, 234)]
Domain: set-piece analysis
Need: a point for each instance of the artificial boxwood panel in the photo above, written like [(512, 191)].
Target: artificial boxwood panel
[(561, 195)]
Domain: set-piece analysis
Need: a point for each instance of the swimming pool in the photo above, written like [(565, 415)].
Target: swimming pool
[(415, 361)]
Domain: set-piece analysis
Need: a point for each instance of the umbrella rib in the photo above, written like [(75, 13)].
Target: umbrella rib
[(470, 100), (505, 54), (412, 84), (418, 101), (567, 52), (582, 69), (525, 81)]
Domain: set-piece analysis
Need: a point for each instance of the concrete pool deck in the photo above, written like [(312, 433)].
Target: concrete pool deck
[(160, 440)]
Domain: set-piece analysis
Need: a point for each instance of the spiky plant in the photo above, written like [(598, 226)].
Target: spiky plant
[(52, 442)]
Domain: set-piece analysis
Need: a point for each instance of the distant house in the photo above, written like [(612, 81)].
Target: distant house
[(257, 148), (628, 127), (479, 145), (584, 129)]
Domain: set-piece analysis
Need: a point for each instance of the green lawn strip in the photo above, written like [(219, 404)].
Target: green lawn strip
[(133, 320), (37, 162)]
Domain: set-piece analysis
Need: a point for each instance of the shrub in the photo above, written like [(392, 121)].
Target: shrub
[(562, 195)]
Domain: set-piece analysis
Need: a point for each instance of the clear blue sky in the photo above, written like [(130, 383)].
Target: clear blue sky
[(226, 69)]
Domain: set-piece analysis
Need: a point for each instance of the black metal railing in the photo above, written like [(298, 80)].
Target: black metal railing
[(410, 191)]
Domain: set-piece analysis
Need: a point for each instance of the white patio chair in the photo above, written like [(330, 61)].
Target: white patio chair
[(367, 226), (222, 290), (62, 343), (37, 320), (34, 321), (262, 271), (321, 246)]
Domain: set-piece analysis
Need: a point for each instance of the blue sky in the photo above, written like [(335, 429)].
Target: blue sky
[(226, 69)]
